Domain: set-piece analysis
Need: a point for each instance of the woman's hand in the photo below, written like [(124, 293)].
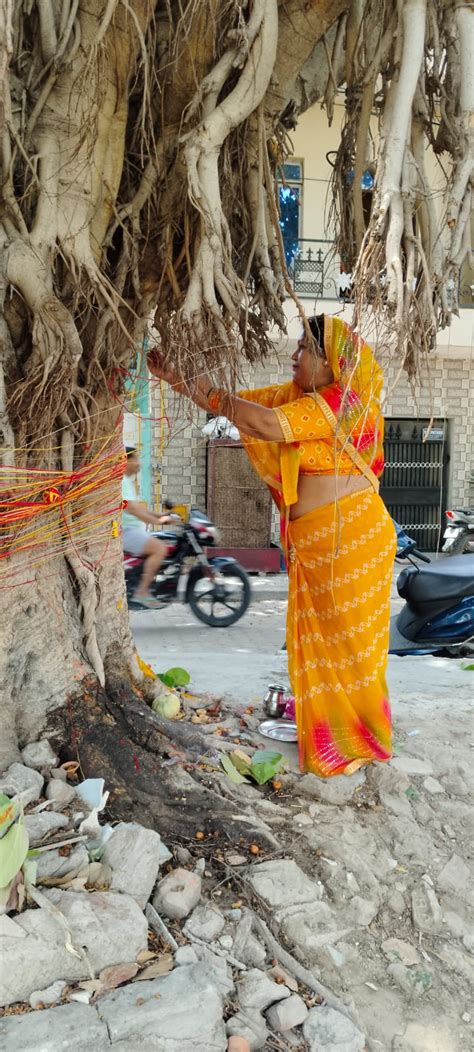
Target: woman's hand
[(162, 369)]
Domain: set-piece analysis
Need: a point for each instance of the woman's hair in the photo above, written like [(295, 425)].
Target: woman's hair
[(316, 324)]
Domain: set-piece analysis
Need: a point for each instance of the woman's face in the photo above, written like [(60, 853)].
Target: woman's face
[(310, 366)]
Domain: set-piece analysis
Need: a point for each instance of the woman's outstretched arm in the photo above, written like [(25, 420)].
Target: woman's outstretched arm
[(254, 420)]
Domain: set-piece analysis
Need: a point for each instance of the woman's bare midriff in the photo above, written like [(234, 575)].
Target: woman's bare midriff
[(316, 490)]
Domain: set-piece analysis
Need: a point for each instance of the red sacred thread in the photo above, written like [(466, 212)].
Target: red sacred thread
[(48, 513)]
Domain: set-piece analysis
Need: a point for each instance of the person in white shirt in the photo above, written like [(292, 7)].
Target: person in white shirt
[(135, 538)]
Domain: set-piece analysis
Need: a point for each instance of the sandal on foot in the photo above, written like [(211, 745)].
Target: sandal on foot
[(147, 601)]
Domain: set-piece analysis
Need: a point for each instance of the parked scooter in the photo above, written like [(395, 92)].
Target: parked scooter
[(217, 589), (459, 533), (438, 616)]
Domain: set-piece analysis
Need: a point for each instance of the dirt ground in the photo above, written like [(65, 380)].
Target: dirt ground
[(387, 847)]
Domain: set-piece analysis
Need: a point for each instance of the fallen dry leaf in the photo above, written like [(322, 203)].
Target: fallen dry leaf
[(199, 835), (116, 974), (152, 971), (254, 849), (145, 955)]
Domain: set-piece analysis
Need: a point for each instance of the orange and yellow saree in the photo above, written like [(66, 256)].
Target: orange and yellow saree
[(340, 557)]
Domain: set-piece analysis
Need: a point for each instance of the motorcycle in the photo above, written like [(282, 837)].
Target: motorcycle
[(217, 589), (459, 533), (438, 616)]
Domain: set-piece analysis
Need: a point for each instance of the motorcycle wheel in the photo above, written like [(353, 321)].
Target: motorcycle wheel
[(218, 603), (462, 545)]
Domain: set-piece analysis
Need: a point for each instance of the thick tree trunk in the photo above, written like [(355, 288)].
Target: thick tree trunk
[(43, 657)]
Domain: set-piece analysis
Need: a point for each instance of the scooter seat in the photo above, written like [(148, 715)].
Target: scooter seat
[(444, 579)]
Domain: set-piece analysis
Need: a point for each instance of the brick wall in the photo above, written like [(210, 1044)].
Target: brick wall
[(451, 397)]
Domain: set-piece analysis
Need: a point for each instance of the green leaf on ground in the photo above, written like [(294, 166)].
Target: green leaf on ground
[(175, 677), (13, 851), (231, 771), (265, 765)]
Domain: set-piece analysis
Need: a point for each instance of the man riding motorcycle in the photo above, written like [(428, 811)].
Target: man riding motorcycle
[(135, 538)]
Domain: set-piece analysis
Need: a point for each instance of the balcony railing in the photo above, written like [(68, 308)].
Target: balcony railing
[(315, 271)]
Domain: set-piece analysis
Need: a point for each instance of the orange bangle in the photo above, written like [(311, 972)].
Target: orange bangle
[(214, 399)]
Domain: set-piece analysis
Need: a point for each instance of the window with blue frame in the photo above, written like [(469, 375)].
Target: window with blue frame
[(290, 187)]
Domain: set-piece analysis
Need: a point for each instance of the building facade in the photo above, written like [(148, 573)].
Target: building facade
[(429, 426)]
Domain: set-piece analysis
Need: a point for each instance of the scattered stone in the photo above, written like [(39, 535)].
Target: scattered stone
[(287, 1014), (236, 860), (186, 955), (433, 787), (459, 962), (177, 894), (134, 853), (253, 953), (20, 779), (455, 923), (257, 992), (302, 820), (281, 976), (362, 911), (52, 865), (326, 1030), (181, 1012), (38, 826), (468, 943), (60, 793), (449, 831), (39, 755), (466, 1018), (226, 941), (216, 965), (250, 1026), (337, 790), (204, 923), (111, 929), (397, 804), (234, 914), (48, 997), (455, 876), (184, 856), (403, 951), (396, 903), (426, 910), (411, 765), (336, 956), (455, 785), (310, 927), (281, 883), (71, 1028), (412, 981)]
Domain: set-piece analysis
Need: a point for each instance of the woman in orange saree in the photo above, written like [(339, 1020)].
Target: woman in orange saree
[(317, 443)]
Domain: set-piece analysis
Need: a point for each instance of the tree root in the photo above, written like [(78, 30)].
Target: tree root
[(299, 971), (155, 769)]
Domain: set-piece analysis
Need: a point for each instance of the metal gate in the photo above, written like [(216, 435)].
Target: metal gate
[(414, 482)]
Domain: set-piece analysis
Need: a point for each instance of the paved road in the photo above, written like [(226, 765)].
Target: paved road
[(241, 661)]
